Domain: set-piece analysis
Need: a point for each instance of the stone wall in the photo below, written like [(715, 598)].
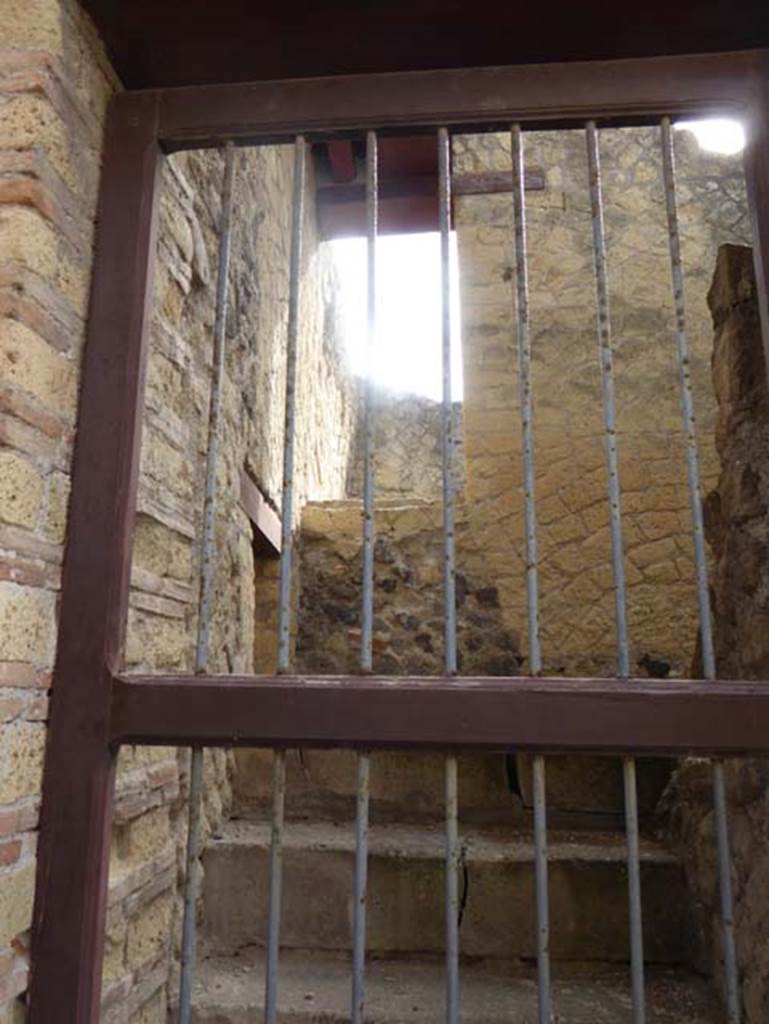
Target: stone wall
[(575, 569), (408, 448), (162, 621), (737, 527), (55, 83)]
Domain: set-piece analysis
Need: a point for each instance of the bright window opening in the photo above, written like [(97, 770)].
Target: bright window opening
[(717, 134), (407, 356)]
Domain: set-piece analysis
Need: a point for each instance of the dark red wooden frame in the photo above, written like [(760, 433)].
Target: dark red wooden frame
[(94, 708)]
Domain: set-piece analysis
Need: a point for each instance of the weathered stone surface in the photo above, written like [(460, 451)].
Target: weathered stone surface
[(737, 527), (407, 448), (576, 592), (406, 893), (408, 603)]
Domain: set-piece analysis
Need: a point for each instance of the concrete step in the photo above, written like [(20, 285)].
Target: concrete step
[(588, 894), (315, 989), (582, 792)]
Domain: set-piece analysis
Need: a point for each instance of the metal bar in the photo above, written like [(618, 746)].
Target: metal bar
[(566, 93), (286, 571), (671, 716), (207, 574), (360, 894), (606, 362), (449, 577), (276, 877), (532, 571), (287, 499), (703, 596), (453, 855), (367, 610), (78, 782)]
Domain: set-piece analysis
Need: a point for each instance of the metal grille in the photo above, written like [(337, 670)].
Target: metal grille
[(523, 332), (105, 707)]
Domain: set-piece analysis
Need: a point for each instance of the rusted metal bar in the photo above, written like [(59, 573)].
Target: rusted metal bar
[(292, 341), (635, 89), (449, 577), (701, 568), (286, 574), (73, 850), (367, 591), (360, 894), (532, 569), (276, 878), (606, 363), (206, 590)]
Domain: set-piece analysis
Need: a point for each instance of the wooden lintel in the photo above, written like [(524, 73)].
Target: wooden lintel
[(639, 716), (489, 182), (264, 519)]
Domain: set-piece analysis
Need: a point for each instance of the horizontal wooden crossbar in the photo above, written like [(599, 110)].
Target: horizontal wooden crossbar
[(441, 713), (625, 90)]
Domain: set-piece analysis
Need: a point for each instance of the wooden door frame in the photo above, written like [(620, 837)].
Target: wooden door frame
[(95, 708)]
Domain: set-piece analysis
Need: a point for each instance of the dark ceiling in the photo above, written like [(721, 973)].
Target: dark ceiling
[(185, 42)]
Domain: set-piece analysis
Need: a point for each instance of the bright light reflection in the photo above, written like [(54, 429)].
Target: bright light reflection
[(717, 134), (407, 355)]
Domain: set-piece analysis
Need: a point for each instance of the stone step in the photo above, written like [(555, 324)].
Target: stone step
[(588, 892), (315, 989), (404, 787), (582, 792)]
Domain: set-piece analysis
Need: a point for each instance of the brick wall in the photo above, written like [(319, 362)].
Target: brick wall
[(54, 87)]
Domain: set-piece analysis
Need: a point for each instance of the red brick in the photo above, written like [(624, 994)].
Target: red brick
[(22, 675), (21, 818), (9, 852), (10, 706)]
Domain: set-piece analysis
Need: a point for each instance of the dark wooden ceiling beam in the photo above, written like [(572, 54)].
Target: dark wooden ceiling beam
[(192, 42)]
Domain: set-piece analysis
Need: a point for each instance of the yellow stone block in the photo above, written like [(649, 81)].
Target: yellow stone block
[(21, 760), (17, 889), (35, 24), (32, 365), (21, 490), (149, 931), (26, 624)]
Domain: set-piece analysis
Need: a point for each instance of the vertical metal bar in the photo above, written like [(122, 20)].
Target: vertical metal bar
[(703, 597), (286, 570), (361, 881), (532, 571), (452, 890), (276, 876), (449, 580), (367, 611), (287, 500), (207, 572), (606, 361)]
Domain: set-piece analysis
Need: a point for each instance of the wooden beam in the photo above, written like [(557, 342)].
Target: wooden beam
[(612, 91), (73, 853), (265, 520), (489, 182), (599, 716)]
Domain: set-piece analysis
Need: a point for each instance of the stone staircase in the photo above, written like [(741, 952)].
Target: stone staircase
[(405, 910)]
